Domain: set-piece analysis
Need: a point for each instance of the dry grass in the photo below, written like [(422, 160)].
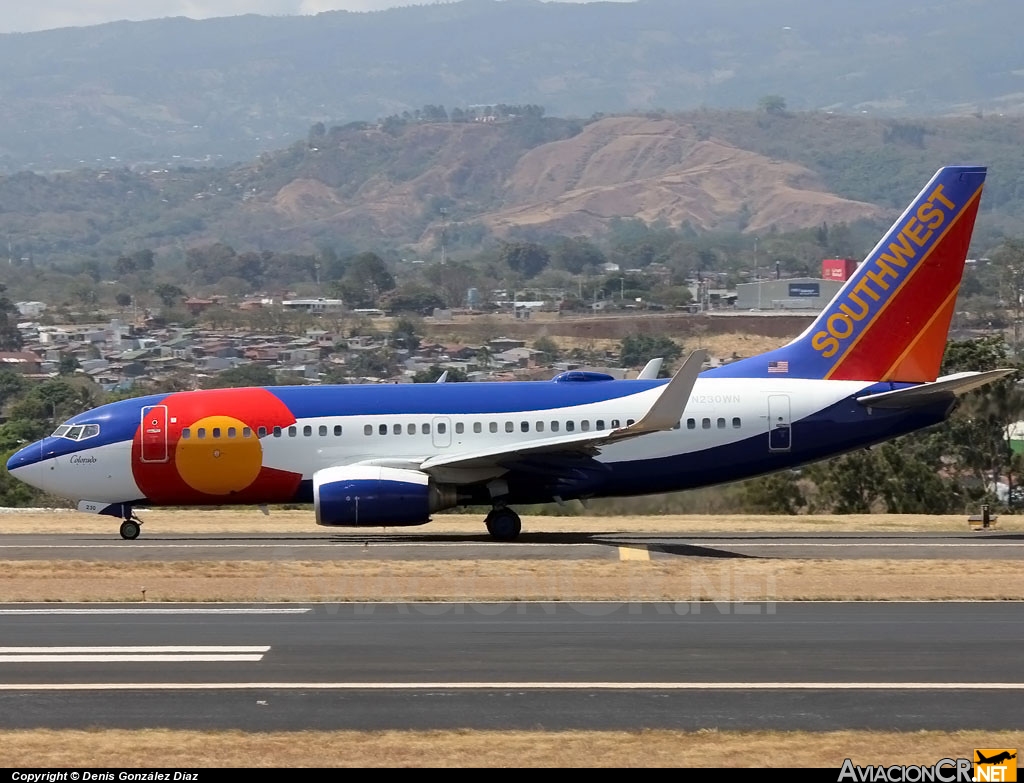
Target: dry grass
[(711, 748), (675, 579), (247, 519)]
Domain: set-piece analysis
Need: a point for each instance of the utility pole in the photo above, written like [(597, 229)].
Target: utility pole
[(757, 275)]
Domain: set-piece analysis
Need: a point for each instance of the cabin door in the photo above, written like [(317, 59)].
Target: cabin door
[(780, 431), (154, 433)]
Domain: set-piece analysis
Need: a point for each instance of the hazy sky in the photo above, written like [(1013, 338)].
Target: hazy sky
[(28, 15)]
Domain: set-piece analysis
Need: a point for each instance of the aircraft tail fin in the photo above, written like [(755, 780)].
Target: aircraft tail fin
[(891, 320)]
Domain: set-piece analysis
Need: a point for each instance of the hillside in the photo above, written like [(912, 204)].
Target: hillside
[(224, 90), (363, 186)]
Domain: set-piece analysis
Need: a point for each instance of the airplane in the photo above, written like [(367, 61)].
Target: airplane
[(865, 371), (996, 759)]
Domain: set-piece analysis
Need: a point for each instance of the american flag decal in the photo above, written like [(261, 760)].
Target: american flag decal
[(782, 366)]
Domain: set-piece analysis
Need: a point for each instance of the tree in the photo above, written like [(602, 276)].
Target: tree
[(123, 299), (526, 258), (636, 350), (10, 337), (67, 364), (455, 375), (405, 335), (169, 294), (548, 348), (252, 374), (772, 104)]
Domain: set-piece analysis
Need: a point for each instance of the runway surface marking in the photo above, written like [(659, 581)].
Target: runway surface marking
[(638, 552), (160, 610), (134, 654), (566, 686)]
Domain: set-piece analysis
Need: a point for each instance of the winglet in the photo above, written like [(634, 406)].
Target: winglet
[(667, 410), (651, 370), (442, 377)]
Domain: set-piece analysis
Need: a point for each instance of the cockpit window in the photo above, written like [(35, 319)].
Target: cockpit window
[(77, 431)]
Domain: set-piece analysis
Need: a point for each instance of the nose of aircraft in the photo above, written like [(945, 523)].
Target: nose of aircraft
[(27, 464)]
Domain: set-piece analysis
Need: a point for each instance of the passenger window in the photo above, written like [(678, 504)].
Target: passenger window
[(630, 422), (397, 429), (293, 431), (277, 432), (201, 434), (736, 423), (382, 429), (307, 431), (600, 424), (524, 426), (509, 426), (262, 432), (410, 429), (232, 432), (585, 425), (323, 430), (554, 426), (337, 430), (721, 424), (615, 424), (216, 432), (494, 426), (459, 428), (570, 426), (476, 427), (442, 428), (368, 429), (540, 426), (691, 424), (186, 434), (426, 429), (246, 432), (705, 424)]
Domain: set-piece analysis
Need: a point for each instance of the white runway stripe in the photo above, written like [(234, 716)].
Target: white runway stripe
[(116, 658), (134, 654), (547, 686), (159, 610), (136, 649)]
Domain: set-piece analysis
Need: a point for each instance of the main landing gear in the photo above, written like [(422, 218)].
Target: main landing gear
[(131, 527), (503, 524)]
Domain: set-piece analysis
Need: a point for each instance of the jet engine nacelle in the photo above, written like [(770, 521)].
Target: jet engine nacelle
[(357, 495)]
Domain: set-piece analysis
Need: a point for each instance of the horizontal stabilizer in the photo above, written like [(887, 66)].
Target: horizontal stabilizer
[(952, 385)]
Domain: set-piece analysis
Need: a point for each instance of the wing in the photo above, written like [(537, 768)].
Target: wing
[(664, 413)]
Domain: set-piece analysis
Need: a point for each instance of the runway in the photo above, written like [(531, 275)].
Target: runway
[(373, 544), (516, 665)]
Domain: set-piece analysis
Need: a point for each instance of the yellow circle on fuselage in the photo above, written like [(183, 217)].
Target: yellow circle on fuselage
[(216, 458)]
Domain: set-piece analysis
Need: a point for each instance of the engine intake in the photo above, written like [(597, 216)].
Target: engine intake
[(369, 495)]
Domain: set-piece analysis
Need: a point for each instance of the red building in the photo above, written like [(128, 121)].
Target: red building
[(838, 268)]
